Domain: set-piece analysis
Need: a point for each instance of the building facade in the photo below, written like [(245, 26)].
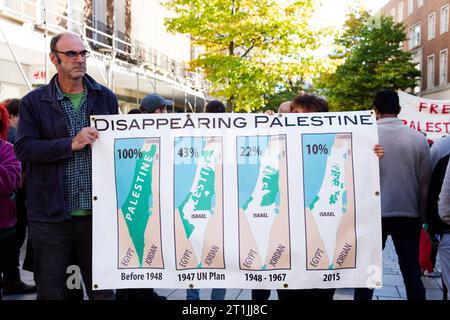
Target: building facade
[(427, 27), (131, 51)]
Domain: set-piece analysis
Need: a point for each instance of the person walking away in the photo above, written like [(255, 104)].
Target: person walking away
[(405, 172)]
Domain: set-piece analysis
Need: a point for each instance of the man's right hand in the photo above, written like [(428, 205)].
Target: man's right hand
[(83, 138)]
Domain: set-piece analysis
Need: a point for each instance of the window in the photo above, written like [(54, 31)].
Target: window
[(119, 15), (400, 11), (120, 25), (100, 23), (430, 72), (410, 7), (417, 60), (444, 19), (414, 36), (432, 26), (443, 67), (419, 3)]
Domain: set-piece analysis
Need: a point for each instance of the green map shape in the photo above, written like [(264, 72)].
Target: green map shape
[(271, 183), (336, 181), (142, 213), (205, 187)]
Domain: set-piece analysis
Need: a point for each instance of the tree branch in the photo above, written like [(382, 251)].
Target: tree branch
[(248, 50)]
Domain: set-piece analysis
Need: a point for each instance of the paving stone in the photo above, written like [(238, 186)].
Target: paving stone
[(245, 295), (390, 271), (439, 283), (390, 298), (177, 295), (402, 291), (232, 294), (431, 294), (164, 292), (392, 279), (387, 291), (434, 294), (344, 294)]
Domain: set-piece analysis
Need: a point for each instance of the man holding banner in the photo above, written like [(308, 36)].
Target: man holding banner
[(54, 139)]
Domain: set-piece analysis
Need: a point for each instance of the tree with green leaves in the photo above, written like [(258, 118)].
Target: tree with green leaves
[(370, 58), (251, 48), (283, 94)]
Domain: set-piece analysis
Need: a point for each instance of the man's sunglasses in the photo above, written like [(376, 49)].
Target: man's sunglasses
[(74, 54)]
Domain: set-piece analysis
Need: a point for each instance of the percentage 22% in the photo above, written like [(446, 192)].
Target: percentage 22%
[(130, 153), (188, 153), (317, 149), (251, 151)]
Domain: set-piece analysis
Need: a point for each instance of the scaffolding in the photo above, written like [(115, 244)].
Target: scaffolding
[(109, 48)]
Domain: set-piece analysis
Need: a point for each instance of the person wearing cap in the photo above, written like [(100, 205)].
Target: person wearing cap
[(405, 173), (154, 103)]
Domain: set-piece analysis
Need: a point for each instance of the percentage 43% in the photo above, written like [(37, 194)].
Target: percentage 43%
[(188, 153)]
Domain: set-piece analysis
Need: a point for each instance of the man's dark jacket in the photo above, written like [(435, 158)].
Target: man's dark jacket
[(43, 142)]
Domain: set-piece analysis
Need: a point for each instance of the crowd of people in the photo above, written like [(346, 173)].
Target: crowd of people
[(46, 187)]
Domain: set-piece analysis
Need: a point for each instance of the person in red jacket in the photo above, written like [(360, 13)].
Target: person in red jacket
[(10, 172)]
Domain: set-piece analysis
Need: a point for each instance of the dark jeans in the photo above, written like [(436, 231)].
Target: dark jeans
[(22, 221), (296, 294), (11, 245), (53, 244), (20, 235), (8, 263), (134, 294), (9, 267), (260, 294), (405, 233), (306, 294)]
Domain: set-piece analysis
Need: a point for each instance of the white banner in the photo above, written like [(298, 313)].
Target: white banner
[(236, 201), (431, 117)]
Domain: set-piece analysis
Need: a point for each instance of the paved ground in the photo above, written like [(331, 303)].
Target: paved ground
[(393, 288)]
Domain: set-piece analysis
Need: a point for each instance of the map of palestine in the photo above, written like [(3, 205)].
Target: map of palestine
[(198, 197), (329, 201), (264, 242), (137, 185)]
